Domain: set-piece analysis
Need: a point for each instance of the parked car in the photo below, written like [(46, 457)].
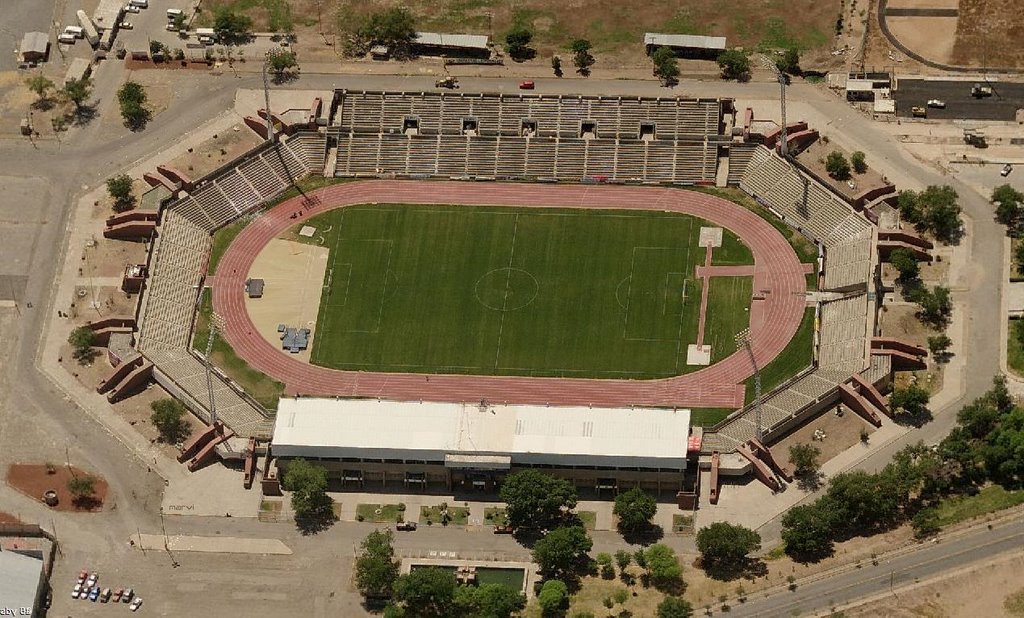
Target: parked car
[(89, 583), (937, 103), (526, 84), (127, 596), (117, 595), (105, 595), (406, 526), (131, 8), (76, 591), (503, 529), (126, 25), (94, 594), (1006, 170), (136, 604), (82, 576)]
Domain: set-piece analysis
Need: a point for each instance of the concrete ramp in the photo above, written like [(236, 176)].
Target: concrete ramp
[(868, 391), (858, 404), (764, 454), (132, 383), (761, 470)]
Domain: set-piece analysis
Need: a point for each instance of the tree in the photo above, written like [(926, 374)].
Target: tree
[(180, 22), (666, 68), (82, 488), (169, 418), (804, 458), (623, 559), (939, 344), (674, 607), (735, 64), (936, 305), (132, 98), (426, 592), (724, 547), (376, 569), (536, 500), (1009, 206), (663, 569), (81, 340), (393, 28), (837, 166), (940, 213), (861, 503), (282, 62), (807, 533), (77, 91), (120, 189), (910, 400), (556, 65), (582, 59), (789, 61), (40, 85), (905, 261), (157, 48), (231, 27), (906, 202), (925, 523), (634, 508), (517, 42), (488, 601), (553, 598), (562, 552), (314, 509), (859, 162)]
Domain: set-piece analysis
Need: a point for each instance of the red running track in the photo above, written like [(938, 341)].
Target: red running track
[(778, 279)]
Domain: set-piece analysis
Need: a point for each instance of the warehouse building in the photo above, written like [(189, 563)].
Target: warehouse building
[(686, 45), (461, 447), (451, 45)]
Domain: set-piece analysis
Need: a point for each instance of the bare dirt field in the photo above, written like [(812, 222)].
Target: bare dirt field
[(987, 590), (931, 37), (988, 34), (107, 258), (35, 479), (841, 432), (615, 27), (226, 146), (814, 158), (293, 274)]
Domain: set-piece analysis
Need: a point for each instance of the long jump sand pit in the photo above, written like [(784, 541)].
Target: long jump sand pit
[(293, 274)]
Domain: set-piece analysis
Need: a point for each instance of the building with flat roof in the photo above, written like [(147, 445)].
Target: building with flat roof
[(22, 582), (475, 445), (456, 45), (686, 45), (35, 47)]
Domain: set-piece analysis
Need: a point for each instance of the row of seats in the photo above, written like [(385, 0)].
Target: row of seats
[(843, 333), (554, 116), (848, 263), (515, 157), (310, 148)]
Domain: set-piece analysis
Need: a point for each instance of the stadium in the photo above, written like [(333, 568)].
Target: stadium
[(519, 256)]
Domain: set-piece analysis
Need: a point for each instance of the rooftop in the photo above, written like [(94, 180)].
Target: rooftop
[(20, 576), (684, 40), (432, 431), (441, 39), (36, 42)]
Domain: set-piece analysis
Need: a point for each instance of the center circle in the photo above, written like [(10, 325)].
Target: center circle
[(506, 289)]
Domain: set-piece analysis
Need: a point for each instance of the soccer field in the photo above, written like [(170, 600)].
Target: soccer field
[(521, 291)]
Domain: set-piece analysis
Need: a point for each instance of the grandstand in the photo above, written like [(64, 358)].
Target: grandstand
[(623, 139)]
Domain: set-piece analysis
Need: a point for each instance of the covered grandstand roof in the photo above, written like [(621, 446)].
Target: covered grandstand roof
[(440, 39), (558, 436), (690, 41)]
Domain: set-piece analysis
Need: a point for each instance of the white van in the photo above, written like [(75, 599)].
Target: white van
[(174, 13), (142, 4), (75, 31), (67, 39)]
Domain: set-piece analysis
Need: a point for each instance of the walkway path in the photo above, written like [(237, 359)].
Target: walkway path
[(778, 275)]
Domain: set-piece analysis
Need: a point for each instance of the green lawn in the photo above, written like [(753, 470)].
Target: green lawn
[(222, 239), (588, 519), (795, 357), (1015, 347), (495, 516), (459, 515), (990, 499), (378, 513), (520, 291), (709, 417), (261, 388)]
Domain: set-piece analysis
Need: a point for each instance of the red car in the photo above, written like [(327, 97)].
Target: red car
[(503, 529), (526, 85)]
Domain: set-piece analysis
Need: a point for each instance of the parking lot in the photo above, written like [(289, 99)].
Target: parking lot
[(1002, 105)]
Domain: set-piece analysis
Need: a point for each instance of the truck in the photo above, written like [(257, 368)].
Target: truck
[(919, 112), (978, 91), (88, 29), (447, 82)]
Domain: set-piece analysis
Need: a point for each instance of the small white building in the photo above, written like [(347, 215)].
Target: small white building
[(476, 444)]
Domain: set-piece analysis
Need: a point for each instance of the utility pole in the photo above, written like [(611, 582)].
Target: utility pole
[(216, 324), (266, 102), (781, 77), (743, 339)]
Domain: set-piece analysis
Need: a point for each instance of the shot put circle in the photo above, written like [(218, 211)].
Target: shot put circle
[(506, 289)]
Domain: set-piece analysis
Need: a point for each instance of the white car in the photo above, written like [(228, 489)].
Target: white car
[(1006, 170), (131, 8), (936, 103), (126, 25), (76, 591), (91, 582), (136, 604)]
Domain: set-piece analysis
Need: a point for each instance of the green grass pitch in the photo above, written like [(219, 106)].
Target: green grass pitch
[(520, 291)]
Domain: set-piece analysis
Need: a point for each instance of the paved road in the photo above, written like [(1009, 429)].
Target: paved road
[(924, 561), (1002, 105)]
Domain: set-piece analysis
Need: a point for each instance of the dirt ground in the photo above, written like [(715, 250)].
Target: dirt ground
[(841, 432), (202, 159), (931, 37), (107, 258), (294, 278), (981, 591), (900, 321), (7, 518), (97, 301), (34, 479), (615, 27), (814, 158), (988, 34)]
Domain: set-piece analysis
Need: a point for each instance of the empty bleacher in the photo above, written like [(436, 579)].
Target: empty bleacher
[(843, 333)]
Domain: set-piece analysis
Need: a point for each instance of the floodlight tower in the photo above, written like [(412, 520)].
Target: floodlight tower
[(781, 77), (216, 324), (266, 101), (743, 339)]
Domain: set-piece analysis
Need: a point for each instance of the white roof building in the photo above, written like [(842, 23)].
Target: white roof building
[(462, 41), (684, 41), (495, 436), (20, 579)]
